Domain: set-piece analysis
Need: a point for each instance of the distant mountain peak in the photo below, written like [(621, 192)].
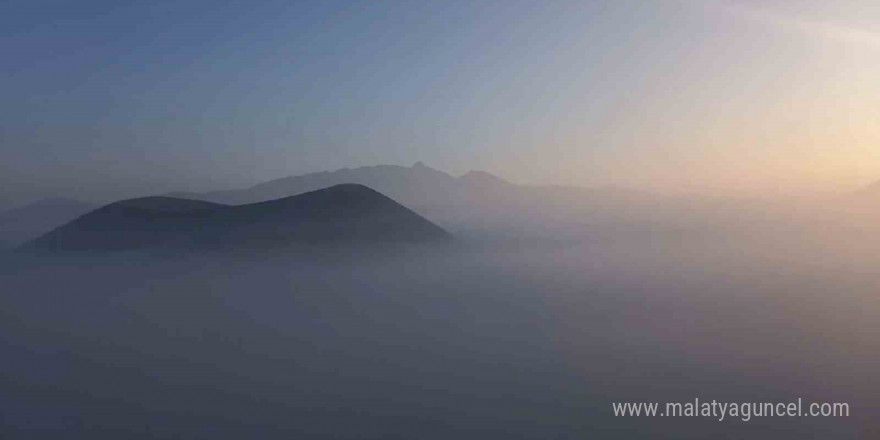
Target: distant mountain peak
[(480, 176), (419, 185)]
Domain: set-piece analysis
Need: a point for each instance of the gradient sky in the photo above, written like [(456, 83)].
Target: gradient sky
[(110, 99)]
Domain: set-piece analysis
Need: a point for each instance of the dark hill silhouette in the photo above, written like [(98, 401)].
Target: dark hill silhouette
[(341, 214), (25, 223)]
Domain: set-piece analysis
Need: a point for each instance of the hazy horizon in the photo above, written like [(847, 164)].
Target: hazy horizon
[(107, 100), (685, 205), (694, 193)]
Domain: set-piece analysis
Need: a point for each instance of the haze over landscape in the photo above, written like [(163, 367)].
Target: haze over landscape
[(128, 99), (436, 220)]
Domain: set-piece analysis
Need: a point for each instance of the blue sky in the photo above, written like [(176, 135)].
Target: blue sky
[(107, 99)]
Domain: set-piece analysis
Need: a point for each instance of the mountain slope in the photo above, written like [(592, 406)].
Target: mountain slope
[(341, 214), (474, 203), (28, 222), (406, 184)]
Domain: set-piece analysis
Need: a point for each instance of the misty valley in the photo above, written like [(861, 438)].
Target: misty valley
[(440, 220), (401, 302)]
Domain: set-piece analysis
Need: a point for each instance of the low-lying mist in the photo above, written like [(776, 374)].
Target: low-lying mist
[(501, 338)]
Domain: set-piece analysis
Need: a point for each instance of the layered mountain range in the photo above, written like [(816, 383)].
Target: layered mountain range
[(476, 203)]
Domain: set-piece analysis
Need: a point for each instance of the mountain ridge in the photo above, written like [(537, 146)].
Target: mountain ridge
[(476, 204), (339, 214), (395, 180)]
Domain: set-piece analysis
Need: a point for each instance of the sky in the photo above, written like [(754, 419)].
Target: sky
[(110, 99)]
